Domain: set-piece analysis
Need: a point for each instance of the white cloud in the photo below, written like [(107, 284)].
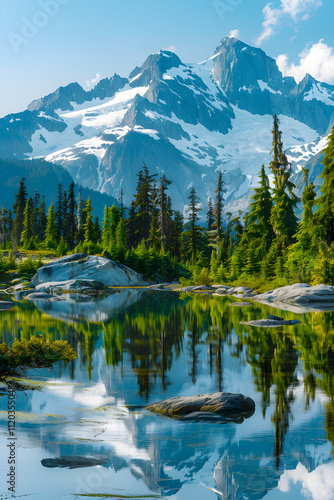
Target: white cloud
[(234, 33), (316, 60), (91, 83), (295, 9), (171, 48), (318, 484)]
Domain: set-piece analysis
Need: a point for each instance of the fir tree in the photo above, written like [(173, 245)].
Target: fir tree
[(51, 231), (80, 216), (106, 236), (283, 218), (19, 206), (163, 205), (143, 204), (88, 227), (210, 219), (42, 220), (35, 214), (154, 235), (194, 231), (258, 235), (176, 241), (97, 230), (218, 206), (301, 255), (3, 224), (60, 210), (324, 215), (70, 220), (27, 232), (122, 209), (130, 225)]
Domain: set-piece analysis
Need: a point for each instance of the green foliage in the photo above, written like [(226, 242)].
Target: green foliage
[(37, 352), (29, 266), (324, 215), (51, 231)]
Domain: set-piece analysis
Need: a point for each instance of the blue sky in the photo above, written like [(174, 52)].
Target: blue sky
[(48, 43)]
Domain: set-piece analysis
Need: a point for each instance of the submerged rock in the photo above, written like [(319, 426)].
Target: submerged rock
[(86, 267), (223, 404), (72, 462), (270, 323)]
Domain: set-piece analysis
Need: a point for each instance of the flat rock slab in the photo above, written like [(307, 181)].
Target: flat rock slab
[(223, 404), (86, 267), (72, 462), (299, 293), (270, 323)]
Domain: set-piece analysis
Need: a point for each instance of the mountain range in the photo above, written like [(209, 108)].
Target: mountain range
[(184, 120)]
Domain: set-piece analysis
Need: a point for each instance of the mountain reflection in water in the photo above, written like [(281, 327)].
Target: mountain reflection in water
[(137, 347)]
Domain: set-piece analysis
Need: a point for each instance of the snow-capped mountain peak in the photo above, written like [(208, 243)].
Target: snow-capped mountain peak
[(186, 120)]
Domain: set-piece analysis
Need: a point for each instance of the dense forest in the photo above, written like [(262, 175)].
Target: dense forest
[(266, 245)]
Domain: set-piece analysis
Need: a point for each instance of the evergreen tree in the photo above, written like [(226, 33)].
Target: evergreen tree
[(27, 232), (194, 231), (88, 227), (115, 217), (3, 224), (51, 231), (176, 241), (130, 225), (154, 237), (60, 210), (121, 241), (42, 220), (143, 204), (19, 206), (106, 236), (97, 230), (258, 235), (35, 214), (218, 207), (122, 209), (301, 255), (324, 215), (283, 218), (70, 220), (80, 212), (210, 215), (163, 205)]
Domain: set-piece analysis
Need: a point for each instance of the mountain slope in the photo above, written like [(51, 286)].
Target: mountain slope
[(184, 120)]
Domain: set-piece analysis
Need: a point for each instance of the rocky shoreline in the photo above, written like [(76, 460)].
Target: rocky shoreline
[(86, 275)]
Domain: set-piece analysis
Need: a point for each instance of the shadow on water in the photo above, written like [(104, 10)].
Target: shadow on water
[(138, 347)]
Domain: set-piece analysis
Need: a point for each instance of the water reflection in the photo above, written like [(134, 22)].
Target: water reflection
[(139, 347)]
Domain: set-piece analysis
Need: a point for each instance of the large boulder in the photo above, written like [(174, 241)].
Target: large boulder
[(89, 267), (299, 293), (225, 404)]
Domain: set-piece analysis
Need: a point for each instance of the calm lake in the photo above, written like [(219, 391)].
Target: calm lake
[(137, 347)]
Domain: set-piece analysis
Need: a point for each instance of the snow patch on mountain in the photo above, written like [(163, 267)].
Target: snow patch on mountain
[(320, 93), (300, 155)]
